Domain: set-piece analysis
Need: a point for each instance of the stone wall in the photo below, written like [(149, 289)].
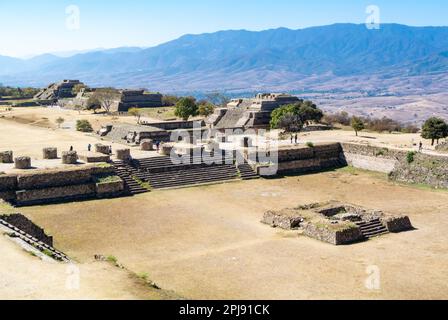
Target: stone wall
[(54, 194), (309, 159), (397, 224), (8, 182), (425, 169), (26, 225), (336, 237), (109, 189), (371, 158)]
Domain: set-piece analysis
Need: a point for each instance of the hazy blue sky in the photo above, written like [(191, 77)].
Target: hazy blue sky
[(32, 27)]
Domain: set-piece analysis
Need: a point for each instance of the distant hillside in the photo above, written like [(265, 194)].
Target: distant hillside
[(316, 59)]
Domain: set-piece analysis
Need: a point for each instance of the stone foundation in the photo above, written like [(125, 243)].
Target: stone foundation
[(22, 163), (285, 219), (94, 158), (70, 157), (165, 149), (336, 237), (6, 157), (50, 153)]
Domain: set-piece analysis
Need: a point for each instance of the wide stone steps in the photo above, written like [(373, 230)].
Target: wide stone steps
[(158, 164), (126, 173), (372, 228), (192, 176), (39, 245), (247, 173)]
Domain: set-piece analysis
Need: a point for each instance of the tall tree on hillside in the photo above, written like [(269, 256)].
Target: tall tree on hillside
[(357, 124), (107, 97), (93, 104), (435, 129), (290, 123), (186, 108)]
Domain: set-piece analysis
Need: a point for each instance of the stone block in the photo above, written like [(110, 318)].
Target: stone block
[(6, 157), (124, 154), (50, 153), (165, 149), (147, 145), (22, 163), (69, 157)]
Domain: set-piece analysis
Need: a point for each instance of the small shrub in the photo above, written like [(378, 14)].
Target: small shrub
[(83, 126), (310, 145), (410, 157)]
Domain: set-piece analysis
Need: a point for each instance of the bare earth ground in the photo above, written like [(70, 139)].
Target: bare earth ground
[(207, 242), (23, 276)]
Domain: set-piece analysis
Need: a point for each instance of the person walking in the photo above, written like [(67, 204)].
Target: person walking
[(296, 138), (71, 148), (89, 147), (420, 147)]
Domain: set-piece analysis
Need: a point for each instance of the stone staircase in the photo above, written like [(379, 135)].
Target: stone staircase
[(127, 173), (373, 228), (246, 172), (39, 245), (193, 175)]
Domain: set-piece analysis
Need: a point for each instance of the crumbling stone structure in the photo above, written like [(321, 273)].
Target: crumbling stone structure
[(6, 157), (147, 145), (22, 163), (100, 148), (337, 223), (50, 153), (69, 157), (124, 154)]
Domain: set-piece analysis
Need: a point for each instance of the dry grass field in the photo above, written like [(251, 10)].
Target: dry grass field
[(207, 242)]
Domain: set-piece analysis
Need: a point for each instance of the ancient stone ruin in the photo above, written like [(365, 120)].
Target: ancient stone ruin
[(124, 154), (147, 145), (6, 157), (100, 148), (50, 153), (337, 223), (69, 157), (22, 163)]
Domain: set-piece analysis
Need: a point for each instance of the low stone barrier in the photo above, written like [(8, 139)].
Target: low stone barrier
[(50, 153), (283, 220), (6, 157), (165, 149), (109, 189), (69, 157), (94, 157), (22, 163), (100, 148), (46, 195), (336, 237)]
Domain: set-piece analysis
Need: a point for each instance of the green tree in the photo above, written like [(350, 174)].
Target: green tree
[(206, 109), (83, 126), (435, 129), (186, 108), (308, 111), (357, 124), (107, 97), (279, 113), (93, 104), (290, 122), (136, 112)]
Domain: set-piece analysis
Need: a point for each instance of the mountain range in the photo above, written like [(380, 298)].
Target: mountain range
[(395, 59)]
